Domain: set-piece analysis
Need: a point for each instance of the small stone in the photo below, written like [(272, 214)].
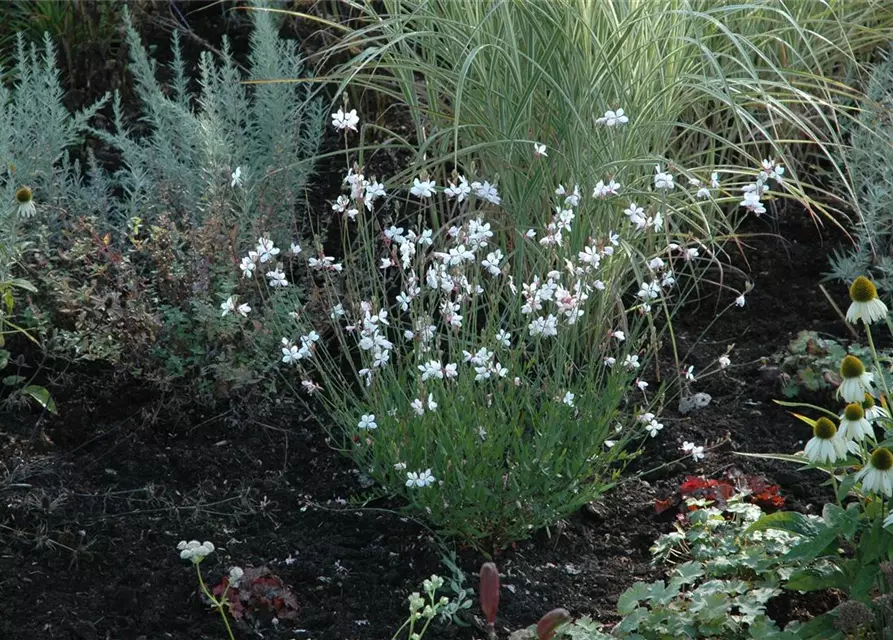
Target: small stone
[(687, 404)]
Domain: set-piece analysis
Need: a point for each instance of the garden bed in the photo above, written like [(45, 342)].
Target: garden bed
[(95, 500)]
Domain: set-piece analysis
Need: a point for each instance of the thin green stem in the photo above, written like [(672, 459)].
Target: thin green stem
[(219, 604), (877, 361)]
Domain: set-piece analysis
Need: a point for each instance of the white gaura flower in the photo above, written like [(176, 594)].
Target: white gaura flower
[(431, 369), (695, 451), (714, 180), (295, 249), (618, 335), (432, 405), (459, 191), (739, 301), (236, 178), (653, 427), (277, 278), (604, 189), (568, 399), (374, 190), (753, 203), (853, 425), (865, 305), (539, 150), (504, 338), (856, 380), (342, 120), (613, 118), (877, 476), (663, 180), (243, 310), (229, 305), (631, 362), (826, 445), (248, 264), (266, 251), (422, 188), (417, 407), (690, 374), (486, 191), (641, 384), (724, 361), (420, 479), (235, 574), (291, 354), (25, 203), (610, 361), (367, 422), (873, 411), (310, 387)]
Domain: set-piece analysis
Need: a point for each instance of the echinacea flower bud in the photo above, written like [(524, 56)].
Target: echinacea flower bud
[(856, 381), (825, 445), (877, 476), (489, 591), (547, 625), (865, 305)]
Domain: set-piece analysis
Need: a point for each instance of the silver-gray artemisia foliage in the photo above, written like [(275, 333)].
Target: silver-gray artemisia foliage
[(871, 167)]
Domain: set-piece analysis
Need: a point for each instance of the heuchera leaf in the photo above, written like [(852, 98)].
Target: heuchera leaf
[(489, 591), (547, 625)]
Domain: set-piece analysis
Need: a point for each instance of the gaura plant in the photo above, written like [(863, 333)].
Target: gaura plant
[(487, 374)]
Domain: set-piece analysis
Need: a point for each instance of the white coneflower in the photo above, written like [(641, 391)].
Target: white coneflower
[(877, 476), (873, 411), (25, 202), (853, 425), (856, 380), (865, 306), (825, 445)]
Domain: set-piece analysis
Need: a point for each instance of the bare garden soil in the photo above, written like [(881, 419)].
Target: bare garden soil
[(93, 501)]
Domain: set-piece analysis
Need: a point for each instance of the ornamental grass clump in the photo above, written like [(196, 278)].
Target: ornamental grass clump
[(722, 85), (489, 375)]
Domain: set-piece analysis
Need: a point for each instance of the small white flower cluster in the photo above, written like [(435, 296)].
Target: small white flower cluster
[(754, 191), (265, 252), (703, 192), (345, 121), (695, 451), (420, 479), (229, 306), (652, 426), (292, 353), (194, 550), (613, 118), (637, 217)]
